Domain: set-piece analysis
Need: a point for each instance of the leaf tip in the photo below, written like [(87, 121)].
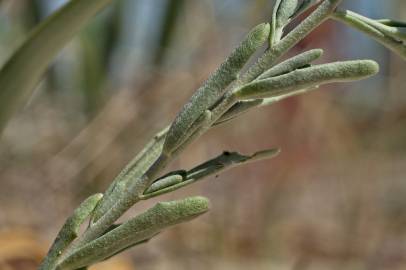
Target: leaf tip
[(318, 52), (197, 205), (260, 33), (368, 68), (266, 154)]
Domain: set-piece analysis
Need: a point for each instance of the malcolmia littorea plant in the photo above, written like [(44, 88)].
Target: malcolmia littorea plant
[(231, 90)]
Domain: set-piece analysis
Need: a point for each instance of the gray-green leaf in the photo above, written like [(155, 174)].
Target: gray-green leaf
[(293, 63), (137, 229), (70, 230), (308, 77)]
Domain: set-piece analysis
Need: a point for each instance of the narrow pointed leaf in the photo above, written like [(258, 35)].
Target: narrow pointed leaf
[(226, 160), (221, 163), (397, 33), (397, 45)]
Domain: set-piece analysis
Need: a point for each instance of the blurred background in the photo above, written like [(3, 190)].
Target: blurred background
[(334, 199)]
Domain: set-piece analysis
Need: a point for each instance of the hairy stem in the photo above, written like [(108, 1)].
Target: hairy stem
[(136, 189)]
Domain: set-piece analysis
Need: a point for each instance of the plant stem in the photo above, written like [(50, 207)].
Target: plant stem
[(135, 190)]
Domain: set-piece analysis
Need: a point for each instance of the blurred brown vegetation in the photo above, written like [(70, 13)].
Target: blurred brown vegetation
[(334, 199)]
